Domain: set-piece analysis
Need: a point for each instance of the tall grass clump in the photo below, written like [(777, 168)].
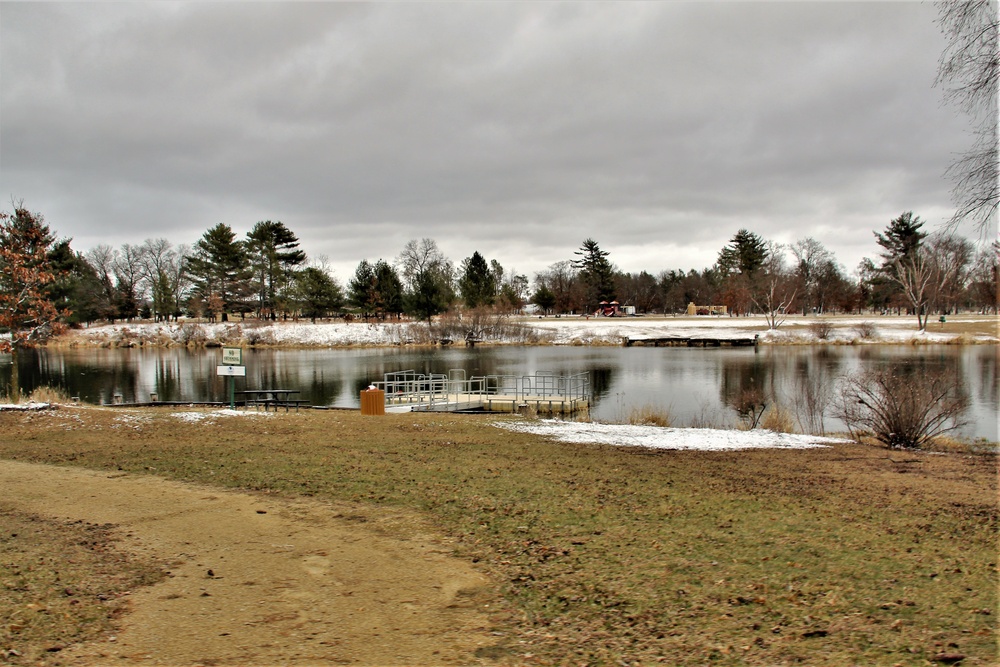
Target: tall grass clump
[(779, 420), (649, 415), (48, 394)]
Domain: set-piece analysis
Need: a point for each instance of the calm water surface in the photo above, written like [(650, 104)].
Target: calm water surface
[(695, 386)]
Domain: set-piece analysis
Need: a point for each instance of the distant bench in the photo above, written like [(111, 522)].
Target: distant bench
[(278, 398)]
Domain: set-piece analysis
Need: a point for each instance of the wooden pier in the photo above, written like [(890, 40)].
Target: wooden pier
[(674, 341)]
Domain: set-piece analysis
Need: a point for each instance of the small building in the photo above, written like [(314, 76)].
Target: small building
[(692, 309)]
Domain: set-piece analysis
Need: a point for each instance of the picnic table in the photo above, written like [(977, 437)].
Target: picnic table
[(267, 398)]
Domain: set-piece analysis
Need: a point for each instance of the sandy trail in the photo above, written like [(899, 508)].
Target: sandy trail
[(256, 580)]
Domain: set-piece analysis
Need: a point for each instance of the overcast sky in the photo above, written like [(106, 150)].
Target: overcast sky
[(516, 129)]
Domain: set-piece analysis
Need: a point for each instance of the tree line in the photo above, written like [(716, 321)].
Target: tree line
[(267, 275), (915, 272)]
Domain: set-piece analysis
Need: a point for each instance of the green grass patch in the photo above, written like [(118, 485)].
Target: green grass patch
[(839, 556)]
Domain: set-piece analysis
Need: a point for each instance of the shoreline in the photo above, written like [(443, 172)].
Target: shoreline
[(537, 331)]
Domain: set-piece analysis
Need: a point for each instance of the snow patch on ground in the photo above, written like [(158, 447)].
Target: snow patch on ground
[(655, 437), (194, 417), (24, 406)]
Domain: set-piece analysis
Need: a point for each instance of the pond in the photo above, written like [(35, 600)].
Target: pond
[(695, 386)]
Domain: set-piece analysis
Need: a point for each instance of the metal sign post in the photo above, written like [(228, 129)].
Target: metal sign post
[(232, 360)]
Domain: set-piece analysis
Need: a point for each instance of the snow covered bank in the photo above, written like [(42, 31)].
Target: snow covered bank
[(796, 330), (568, 330), (656, 437)]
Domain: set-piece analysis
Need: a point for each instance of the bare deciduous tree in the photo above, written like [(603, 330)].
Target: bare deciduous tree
[(918, 276), (969, 68), (953, 257), (776, 288)]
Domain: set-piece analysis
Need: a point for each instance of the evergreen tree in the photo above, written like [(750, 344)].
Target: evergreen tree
[(745, 254), (218, 269), (361, 288), (76, 285), (544, 298), (388, 290), (376, 289), (318, 294), (431, 295), (478, 284), (274, 254), (901, 243), (596, 273), (901, 238)]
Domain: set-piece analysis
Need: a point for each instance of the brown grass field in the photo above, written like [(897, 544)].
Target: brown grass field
[(849, 555)]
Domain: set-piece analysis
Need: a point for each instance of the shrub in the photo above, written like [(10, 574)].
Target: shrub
[(479, 325), (231, 334), (191, 334), (822, 329), (750, 403), (258, 335), (902, 406), (867, 330)]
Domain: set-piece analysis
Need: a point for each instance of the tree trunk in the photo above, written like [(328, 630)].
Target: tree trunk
[(15, 380)]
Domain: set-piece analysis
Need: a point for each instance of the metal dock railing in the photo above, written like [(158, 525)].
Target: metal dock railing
[(544, 392)]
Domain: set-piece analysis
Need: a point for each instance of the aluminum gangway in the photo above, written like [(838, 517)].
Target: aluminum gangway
[(544, 392)]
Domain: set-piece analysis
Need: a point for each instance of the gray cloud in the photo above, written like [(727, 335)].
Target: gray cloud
[(516, 129)]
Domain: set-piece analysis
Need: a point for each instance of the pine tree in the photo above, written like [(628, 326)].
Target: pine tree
[(901, 239), (745, 254), (218, 268), (477, 284), (274, 253), (596, 273), (317, 292)]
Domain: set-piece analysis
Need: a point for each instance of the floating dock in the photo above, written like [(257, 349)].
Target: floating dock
[(545, 393)]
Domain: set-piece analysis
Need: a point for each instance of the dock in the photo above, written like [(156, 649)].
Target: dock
[(674, 341), (545, 393)]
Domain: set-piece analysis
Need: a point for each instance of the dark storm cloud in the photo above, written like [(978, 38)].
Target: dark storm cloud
[(516, 129)]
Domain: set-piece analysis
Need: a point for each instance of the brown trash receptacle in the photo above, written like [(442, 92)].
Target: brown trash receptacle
[(373, 402)]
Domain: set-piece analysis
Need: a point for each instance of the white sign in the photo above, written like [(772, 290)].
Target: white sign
[(232, 356), (234, 371)]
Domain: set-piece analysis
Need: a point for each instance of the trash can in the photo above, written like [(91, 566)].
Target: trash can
[(373, 402)]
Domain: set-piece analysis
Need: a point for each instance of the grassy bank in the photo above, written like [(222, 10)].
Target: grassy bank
[(838, 556)]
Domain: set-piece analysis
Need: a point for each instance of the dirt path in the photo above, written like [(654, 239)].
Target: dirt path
[(256, 580)]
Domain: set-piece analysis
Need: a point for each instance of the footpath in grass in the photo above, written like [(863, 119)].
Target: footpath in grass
[(840, 555)]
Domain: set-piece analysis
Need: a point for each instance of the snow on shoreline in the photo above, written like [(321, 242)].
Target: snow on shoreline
[(569, 330), (657, 437)]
